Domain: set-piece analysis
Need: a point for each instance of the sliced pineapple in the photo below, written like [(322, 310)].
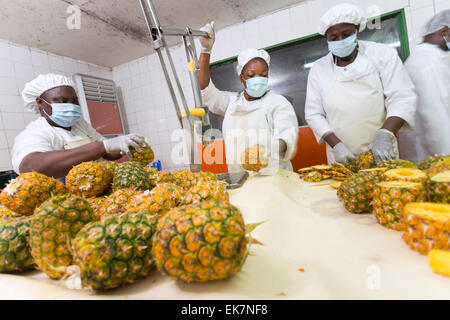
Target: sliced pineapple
[(405, 174), (440, 261), (439, 187), (427, 226)]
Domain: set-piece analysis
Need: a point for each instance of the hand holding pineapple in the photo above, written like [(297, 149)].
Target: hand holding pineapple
[(123, 144)]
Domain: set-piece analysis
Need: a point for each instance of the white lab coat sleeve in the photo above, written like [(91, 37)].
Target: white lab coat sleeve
[(315, 114), (285, 125), (399, 91), (217, 101), (433, 109), (27, 142)]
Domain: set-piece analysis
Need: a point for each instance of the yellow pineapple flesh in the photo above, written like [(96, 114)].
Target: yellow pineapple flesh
[(440, 261), (405, 174), (427, 226)]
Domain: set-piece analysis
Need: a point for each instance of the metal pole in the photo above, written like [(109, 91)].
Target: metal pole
[(163, 66)]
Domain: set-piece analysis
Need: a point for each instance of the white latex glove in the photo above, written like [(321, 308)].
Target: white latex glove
[(384, 146), (207, 43), (122, 144), (343, 154)]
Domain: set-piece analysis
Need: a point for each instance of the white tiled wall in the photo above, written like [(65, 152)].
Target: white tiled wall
[(19, 65), (146, 98)]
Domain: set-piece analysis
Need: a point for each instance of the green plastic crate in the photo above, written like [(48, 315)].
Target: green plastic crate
[(5, 177)]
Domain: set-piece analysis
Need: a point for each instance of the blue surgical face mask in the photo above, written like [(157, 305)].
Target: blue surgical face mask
[(257, 86), (343, 48), (64, 114)]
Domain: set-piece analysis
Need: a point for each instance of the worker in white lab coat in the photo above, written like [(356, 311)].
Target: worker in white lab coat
[(429, 68), (256, 115), (359, 95), (60, 138)]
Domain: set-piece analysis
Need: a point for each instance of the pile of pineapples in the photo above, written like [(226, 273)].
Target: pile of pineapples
[(403, 196), (112, 223)]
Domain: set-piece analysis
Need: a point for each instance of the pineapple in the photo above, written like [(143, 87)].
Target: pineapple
[(352, 167), (115, 251), (440, 261), (118, 202), (355, 192), (314, 176), (210, 190), (98, 206), (427, 226), (365, 160), (405, 174), (434, 170), (161, 199), (396, 163), (185, 179), (131, 175), (24, 193), (389, 199), (14, 249), (335, 185), (53, 226), (88, 179), (201, 242), (439, 187), (434, 161), (253, 159), (5, 213), (160, 176), (110, 166), (144, 157)]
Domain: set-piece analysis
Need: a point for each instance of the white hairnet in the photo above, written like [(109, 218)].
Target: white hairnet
[(342, 13), (249, 54), (436, 23), (38, 86)]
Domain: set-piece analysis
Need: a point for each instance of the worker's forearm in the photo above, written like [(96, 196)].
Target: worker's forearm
[(112, 156), (331, 139), (393, 124), (58, 163), (203, 74)]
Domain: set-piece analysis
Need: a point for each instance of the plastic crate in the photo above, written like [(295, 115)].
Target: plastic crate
[(5, 177)]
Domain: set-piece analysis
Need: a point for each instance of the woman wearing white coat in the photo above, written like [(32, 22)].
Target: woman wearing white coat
[(359, 95), (429, 68), (256, 115)]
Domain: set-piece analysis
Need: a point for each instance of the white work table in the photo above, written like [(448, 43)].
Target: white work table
[(344, 256)]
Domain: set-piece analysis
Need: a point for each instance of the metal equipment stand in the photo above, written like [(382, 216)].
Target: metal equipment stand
[(196, 121)]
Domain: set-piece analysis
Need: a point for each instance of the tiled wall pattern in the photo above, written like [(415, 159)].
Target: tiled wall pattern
[(146, 98), (19, 65)]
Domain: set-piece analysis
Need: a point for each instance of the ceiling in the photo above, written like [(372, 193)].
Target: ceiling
[(113, 31)]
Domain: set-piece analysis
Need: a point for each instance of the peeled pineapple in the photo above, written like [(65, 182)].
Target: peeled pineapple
[(15, 253), (389, 199), (144, 157), (365, 160), (356, 192), (88, 179), (253, 159), (427, 226), (24, 193), (53, 226), (440, 261), (201, 242), (115, 251), (439, 187), (314, 176), (405, 174)]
